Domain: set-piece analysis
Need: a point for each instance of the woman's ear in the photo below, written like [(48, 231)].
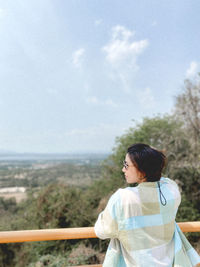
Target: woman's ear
[(142, 176)]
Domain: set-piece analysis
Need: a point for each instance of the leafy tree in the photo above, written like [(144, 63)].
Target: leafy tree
[(187, 109), (6, 255), (60, 206)]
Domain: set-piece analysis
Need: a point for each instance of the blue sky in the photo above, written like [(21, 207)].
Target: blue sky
[(75, 74)]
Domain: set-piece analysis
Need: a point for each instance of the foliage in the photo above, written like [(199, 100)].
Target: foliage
[(83, 255), (8, 205), (60, 206), (187, 109), (50, 260), (78, 256), (7, 254)]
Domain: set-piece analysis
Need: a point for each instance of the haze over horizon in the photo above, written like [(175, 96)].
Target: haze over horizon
[(9, 152), (76, 74)]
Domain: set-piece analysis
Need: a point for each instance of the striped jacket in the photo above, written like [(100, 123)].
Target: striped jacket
[(143, 232)]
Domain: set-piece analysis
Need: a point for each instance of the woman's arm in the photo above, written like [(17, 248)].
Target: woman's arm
[(106, 225)]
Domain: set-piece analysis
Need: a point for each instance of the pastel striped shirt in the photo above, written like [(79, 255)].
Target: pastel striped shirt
[(142, 230)]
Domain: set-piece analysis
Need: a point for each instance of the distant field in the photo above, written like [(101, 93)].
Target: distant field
[(18, 196), (34, 174)]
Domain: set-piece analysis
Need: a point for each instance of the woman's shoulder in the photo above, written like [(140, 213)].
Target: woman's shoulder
[(129, 195), (124, 193), (172, 186), (166, 180)]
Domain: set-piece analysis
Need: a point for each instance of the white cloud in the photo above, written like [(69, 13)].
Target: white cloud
[(125, 79), (77, 57), (80, 132), (146, 99), (122, 54), (94, 100), (100, 129), (93, 130), (110, 103), (98, 22), (121, 49), (192, 70)]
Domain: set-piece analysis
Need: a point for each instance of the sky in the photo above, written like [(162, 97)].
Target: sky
[(76, 74)]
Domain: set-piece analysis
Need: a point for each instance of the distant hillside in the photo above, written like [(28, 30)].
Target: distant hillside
[(6, 155)]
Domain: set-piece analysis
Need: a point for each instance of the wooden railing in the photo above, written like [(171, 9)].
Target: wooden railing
[(70, 233)]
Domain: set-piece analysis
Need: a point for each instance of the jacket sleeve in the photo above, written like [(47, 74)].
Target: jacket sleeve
[(106, 225), (185, 254)]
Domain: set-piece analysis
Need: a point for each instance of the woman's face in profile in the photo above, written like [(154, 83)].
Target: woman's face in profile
[(131, 173)]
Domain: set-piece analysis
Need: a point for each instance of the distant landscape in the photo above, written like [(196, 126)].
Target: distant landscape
[(46, 191), (22, 172)]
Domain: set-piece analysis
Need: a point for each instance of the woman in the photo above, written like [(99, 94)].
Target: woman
[(140, 221)]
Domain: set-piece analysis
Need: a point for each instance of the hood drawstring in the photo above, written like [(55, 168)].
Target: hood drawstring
[(161, 194)]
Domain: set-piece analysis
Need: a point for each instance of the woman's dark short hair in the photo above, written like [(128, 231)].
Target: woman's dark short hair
[(147, 160)]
